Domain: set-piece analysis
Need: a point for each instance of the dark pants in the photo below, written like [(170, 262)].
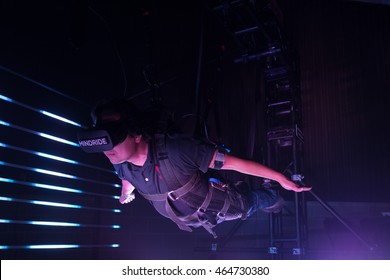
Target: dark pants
[(262, 198), (245, 201)]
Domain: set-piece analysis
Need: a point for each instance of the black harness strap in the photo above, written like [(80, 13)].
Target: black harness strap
[(178, 189), (161, 159), (172, 196)]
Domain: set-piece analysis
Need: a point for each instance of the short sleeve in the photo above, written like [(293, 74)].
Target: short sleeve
[(118, 170), (188, 153)]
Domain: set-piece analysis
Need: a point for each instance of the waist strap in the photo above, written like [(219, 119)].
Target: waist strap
[(199, 214), (173, 196)]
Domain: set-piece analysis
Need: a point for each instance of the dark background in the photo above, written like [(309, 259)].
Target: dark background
[(78, 52)]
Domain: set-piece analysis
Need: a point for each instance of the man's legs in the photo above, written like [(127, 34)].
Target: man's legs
[(244, 201), (265, 199)]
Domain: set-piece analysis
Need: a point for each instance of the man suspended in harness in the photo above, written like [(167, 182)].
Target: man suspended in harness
[(169, 170)]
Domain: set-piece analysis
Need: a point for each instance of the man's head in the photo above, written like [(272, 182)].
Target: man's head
[(113, 122), (117, 110)]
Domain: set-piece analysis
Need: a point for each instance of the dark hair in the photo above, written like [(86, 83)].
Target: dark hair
[(127, 111), (139, 122)]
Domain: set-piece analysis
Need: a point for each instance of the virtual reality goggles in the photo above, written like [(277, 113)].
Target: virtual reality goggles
[(103, 138)]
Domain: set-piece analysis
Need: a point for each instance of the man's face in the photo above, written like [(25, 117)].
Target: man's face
[(122, 152), (125, 150)]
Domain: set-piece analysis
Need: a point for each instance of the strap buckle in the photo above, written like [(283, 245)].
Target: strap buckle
[(217, 184), (221, 215), (172, 196)]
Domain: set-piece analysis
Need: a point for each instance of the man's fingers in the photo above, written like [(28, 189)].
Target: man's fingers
[(303, 189)]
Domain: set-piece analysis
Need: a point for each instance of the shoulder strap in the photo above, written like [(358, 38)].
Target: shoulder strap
[(162, 161)]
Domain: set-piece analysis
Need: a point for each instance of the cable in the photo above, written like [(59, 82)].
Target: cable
[(115, 48), (41, 85)]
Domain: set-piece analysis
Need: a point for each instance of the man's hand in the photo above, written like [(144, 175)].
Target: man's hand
[(126, 198), (291, 186)]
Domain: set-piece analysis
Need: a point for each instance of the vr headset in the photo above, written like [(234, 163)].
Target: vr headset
[(103, 138)]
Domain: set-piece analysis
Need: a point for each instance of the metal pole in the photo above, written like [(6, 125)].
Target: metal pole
[(337, 216)]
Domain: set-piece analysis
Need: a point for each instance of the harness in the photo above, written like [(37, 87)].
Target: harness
[(201, 217)]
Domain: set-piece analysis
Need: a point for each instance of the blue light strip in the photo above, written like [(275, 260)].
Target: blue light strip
[(49, 203), (55, 173), (54, 188), (4, 123), (55, 204), (51, 115), (41, 134), (5, 98), (53, 246), (56, 224), (58, 139), (38, 185), (46, 223), (54, 116), (53, 157), (56, 246)]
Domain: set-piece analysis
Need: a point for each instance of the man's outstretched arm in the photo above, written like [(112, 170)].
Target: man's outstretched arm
[(259, 170)]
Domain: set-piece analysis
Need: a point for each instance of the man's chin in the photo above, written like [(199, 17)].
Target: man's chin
[(116, 161)]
